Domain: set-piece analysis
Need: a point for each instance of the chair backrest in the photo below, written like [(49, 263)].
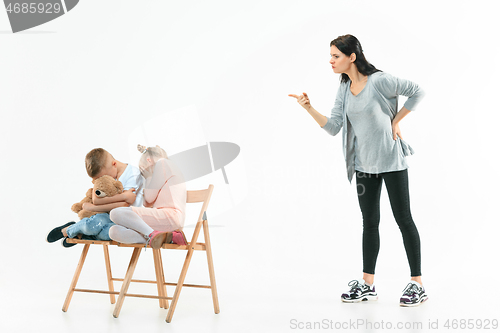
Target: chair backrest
[(200, 196)]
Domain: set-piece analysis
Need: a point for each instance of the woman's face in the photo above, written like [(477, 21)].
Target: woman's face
[(339, 61)]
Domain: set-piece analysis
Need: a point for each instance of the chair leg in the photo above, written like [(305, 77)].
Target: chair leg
[(75, 277), (108, 272), (126, 281), (163, 280), (182, 277), (211, 267), (159, 282)]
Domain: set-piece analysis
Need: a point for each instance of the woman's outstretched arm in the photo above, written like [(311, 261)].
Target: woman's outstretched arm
[(303, 100), (333, 124)]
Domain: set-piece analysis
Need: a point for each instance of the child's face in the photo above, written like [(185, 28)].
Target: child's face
[(109, 168), (146, 166)]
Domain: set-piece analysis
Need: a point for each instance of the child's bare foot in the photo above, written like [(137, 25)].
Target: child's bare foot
[(64, 232)]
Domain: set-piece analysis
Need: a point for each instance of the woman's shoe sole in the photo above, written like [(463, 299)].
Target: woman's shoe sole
[(361, 299), (425, 298)]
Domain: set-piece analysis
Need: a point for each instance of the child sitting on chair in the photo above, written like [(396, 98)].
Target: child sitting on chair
[(163, 214), (99, 162)]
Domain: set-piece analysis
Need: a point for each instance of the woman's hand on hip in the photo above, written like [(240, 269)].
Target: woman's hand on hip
[(396, 131), (303, 100)]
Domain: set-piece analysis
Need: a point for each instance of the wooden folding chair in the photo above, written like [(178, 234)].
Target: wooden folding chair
[(193, 245)]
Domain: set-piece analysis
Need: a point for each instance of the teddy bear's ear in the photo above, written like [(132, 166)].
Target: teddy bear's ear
[(93, 181)]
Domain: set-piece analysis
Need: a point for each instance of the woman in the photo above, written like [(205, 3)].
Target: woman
[(366, 109)]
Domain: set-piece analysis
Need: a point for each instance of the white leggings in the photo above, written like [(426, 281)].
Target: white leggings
[(130, 228)]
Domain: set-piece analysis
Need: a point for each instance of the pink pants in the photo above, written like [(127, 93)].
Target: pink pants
[(161, 219)]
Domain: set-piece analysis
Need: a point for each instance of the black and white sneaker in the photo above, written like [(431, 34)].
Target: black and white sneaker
[(359, 291), (413, 295)]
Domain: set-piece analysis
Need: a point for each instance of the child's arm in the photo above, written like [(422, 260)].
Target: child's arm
[(127, 196), (106, 204), (153, 185), (104, 208), (147, 204)]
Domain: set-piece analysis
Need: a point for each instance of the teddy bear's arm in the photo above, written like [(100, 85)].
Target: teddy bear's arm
[(78, 206)]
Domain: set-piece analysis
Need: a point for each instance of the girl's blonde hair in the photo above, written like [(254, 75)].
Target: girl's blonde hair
[(153, 153)]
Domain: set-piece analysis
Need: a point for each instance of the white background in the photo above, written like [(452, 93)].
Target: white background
[(288, 250)]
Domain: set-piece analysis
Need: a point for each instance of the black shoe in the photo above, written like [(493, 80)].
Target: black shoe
[(56, 234), (66, 244), (87, 237)]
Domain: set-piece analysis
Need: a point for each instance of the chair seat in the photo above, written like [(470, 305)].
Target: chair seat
[(198, 246), (89, 241)]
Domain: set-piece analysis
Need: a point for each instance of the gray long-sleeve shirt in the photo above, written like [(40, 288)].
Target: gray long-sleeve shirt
[(368, 142)]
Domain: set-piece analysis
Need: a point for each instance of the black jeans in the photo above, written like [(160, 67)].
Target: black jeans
[(369, 188)]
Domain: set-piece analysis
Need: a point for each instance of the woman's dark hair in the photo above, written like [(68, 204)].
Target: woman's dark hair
[(348, 44)]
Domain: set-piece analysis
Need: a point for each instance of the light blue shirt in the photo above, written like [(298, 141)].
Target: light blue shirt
[(131, 177), (368, 143)]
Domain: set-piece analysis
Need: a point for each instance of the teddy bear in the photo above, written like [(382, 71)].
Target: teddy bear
[(105, 186)]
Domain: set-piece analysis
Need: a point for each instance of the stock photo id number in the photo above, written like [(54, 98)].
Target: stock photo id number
[(24, 15), (364, 324)]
